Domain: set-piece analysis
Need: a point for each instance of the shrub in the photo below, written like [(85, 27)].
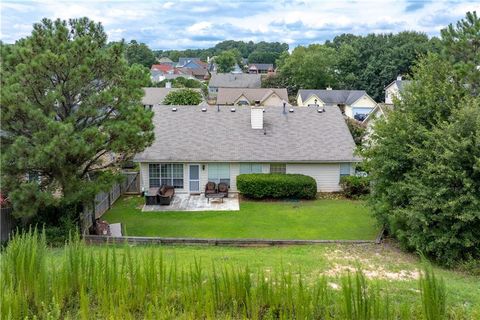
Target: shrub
[(354, 187), (277, 186)]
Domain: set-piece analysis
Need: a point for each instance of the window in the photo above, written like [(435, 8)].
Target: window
[(344, 169), (168, 173), (219, 172), (250, 168), (278, 168)]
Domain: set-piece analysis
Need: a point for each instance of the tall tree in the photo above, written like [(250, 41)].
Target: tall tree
[(185, 97), (425, 163), (70, 110), (139, 53), (226, 61), (462, 48), (310, 67)]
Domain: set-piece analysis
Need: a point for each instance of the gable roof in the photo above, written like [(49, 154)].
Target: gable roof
[(155, 96), (237, 80), (162, 67), (164, 60), (230, 95), (334, 96), (382, 108), (400, 84), (261, 66), (324, 137)]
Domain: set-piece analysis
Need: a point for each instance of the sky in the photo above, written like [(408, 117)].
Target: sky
[(201, 24)]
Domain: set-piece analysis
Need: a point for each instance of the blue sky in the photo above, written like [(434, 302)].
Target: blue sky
[(201, 24)]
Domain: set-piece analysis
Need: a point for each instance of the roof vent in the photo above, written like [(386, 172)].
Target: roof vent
[(174, 109), (232, 110), (329, 88), (204, 109), (320, 110), (218, 108), (290, 110)]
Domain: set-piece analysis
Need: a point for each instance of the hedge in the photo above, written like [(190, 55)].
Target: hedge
[(277, 186), (354, 187)]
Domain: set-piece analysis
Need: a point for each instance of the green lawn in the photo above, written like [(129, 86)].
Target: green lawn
[(319, 219)]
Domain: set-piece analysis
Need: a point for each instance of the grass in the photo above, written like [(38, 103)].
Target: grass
[(122, 282), (318, 219)]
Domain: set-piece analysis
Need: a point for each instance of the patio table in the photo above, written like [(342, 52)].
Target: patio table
[(151, 196), (214, 196)]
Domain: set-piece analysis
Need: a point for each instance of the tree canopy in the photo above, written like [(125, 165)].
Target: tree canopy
[(187, 97), (424, 160), (226, 61), (139, 53), (71, 109), (355, 62)]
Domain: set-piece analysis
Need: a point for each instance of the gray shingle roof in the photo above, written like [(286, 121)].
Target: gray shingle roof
[(190, 135), (400, 84), (334, 96), (261, 66), (237, 80), (230, 95), (155, 96)]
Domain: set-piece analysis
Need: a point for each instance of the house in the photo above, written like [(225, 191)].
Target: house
[(194, 145), (394, 89), (355, 104), (247, 96), (165, 60), (160, 72), (260, 68), (232, 80), (154, 96), (191, 63), (380, 111)]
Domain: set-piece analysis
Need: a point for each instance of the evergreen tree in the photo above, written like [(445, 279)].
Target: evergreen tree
[(70, 110)]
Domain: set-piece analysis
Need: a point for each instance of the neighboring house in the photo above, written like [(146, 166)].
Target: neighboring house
[(233, 80), (380, 111), (165, 60), (395, 89), (355, 104), (160, 72), (260, 68), (194, 145), (191, 63), (155, 96), (245, 96)]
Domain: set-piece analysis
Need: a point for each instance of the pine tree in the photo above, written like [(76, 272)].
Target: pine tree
[(70, 111)]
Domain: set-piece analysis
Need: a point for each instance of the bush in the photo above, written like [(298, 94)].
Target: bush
[(277, 186), (354, 187)]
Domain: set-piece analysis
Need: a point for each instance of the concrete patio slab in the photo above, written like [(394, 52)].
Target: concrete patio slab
[(188, 202)]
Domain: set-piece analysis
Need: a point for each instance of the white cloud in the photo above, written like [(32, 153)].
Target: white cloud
[(192, 23)]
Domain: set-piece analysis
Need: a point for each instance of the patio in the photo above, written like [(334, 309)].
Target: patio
[(188, 202)]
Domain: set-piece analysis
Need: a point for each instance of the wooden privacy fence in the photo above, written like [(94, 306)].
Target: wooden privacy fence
[(7, 223), (104, 200)]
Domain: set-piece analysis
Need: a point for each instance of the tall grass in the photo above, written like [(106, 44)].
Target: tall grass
[(124, 283)]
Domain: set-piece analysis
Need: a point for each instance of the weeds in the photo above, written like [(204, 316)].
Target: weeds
[(133, 284)]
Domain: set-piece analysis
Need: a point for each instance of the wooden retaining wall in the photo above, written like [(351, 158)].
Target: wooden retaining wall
[(94, 239)]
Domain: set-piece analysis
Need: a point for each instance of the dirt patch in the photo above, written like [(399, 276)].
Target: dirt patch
[(374, 273)]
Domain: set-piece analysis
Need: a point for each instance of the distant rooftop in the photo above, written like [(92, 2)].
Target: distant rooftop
[(237, 80), (333, 96)]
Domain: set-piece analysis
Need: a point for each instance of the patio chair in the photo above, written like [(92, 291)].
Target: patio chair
[(165, 195), (210, 188), (223, 189)]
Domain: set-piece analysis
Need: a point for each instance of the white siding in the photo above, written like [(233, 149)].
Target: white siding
[(311, 100), (327, 175), (234, 172)]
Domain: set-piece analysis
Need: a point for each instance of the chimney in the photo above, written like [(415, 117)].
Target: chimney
[(399, 77), (168, 84), (329, 88), (256, 118)]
